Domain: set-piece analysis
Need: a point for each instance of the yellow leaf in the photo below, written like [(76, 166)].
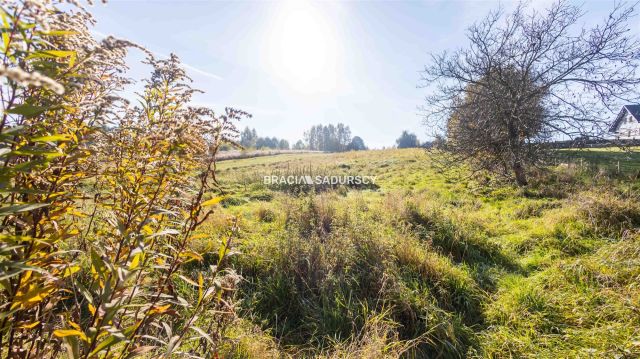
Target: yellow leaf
[(70, 270), (26, 276), (30, 325), (192, 255), (135, 261), (61, 333), (212, 201), (73, 232), (58, 33), (74, 212), (159, 309), (60, 53), (200, 287), (92, 309), (74, 325), (33, 296), (52, 138), (146, 229)]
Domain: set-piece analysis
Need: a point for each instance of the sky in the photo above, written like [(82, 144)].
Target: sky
[(295, 64)]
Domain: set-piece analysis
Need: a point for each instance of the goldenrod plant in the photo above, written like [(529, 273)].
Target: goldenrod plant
[(100, 199)]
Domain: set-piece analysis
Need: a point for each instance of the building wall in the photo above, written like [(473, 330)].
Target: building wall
[(628, 128)]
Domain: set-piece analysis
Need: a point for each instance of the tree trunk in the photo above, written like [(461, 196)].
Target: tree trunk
[(521, 176)]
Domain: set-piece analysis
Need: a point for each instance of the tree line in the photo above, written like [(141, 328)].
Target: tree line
[(249, 139), (328, 138)]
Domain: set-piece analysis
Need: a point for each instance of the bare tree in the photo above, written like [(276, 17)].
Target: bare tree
[(529, 77)]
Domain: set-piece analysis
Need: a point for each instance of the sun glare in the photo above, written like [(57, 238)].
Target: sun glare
[(302, 47)]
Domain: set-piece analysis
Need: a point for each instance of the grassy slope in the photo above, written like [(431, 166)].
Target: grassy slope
[(428, 265)]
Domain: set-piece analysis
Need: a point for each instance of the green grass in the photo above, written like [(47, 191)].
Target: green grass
[(605, 158), (432, 264)]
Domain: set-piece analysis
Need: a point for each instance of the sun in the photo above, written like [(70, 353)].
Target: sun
[(302, 47)]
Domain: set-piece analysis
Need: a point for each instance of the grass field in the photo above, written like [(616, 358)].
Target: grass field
[(429, 264)]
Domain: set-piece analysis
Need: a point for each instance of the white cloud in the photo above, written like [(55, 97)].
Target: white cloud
[(185, 65), (251, 109), (202, 72)]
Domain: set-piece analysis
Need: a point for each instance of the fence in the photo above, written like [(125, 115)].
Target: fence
[(616, 163)]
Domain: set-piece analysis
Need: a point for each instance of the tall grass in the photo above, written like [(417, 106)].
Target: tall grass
[(333, 268), (456, 270)]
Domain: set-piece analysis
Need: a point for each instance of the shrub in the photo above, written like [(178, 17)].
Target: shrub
[(266, 214), (262, 196)]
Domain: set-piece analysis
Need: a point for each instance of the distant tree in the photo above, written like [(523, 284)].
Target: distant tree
[(299, 145), (330, 138), (260, 143), (356, 144), (248, 137), (267, 142), (526, 78), (283, 144), (312, 138), (407, 140), (343, 137)]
